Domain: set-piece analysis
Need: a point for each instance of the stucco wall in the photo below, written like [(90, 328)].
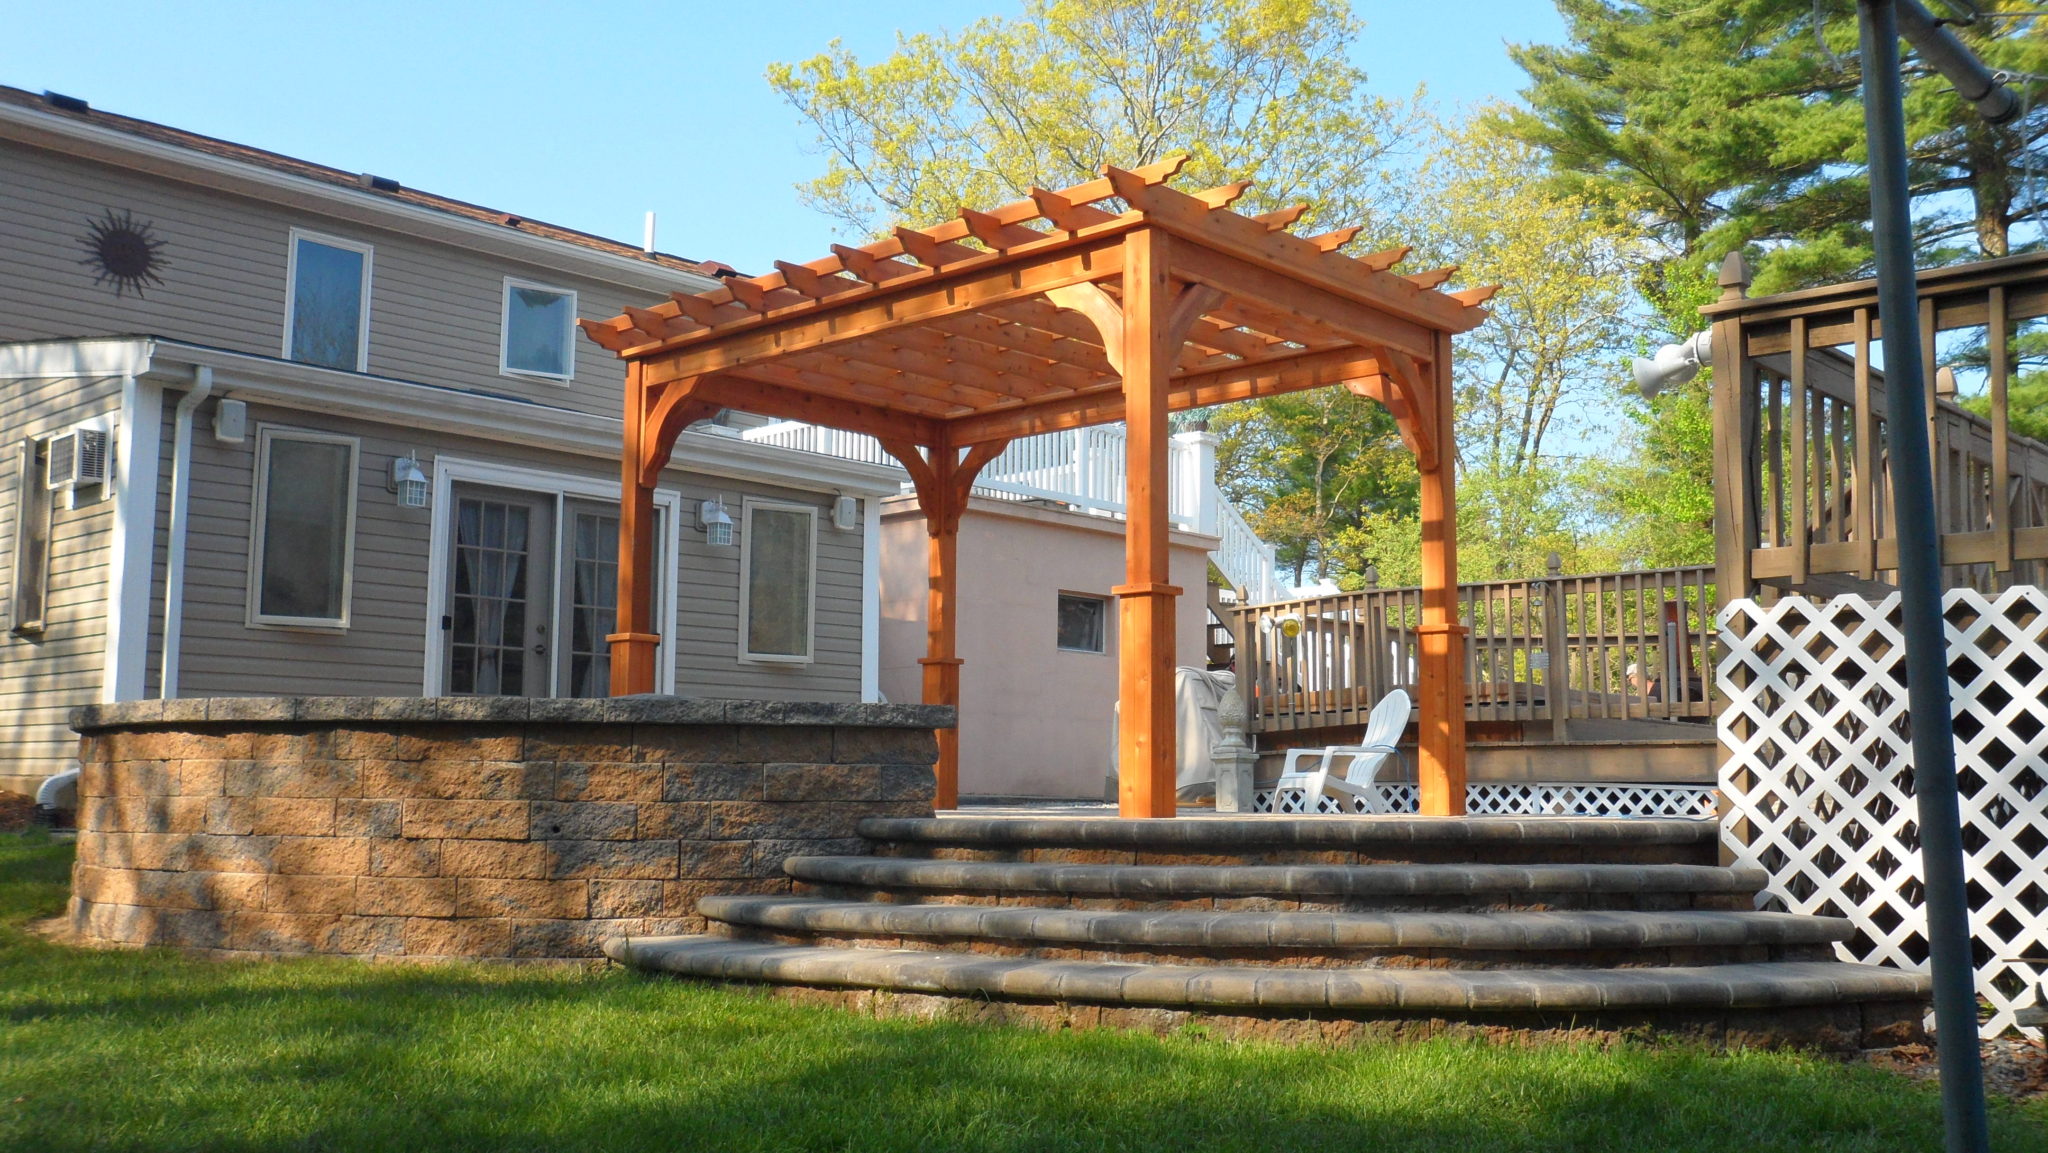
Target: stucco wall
[(1034, 720), (465, 827)]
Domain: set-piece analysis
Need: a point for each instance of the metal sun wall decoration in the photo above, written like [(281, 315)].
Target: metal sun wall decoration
[(123, 250)]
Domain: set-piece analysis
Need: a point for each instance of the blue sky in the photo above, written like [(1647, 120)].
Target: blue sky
[(584, 114)]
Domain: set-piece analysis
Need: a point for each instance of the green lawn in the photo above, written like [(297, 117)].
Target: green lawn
[(136, 1051)]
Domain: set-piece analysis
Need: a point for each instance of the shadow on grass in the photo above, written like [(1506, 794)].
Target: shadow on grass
[(151, 1051)]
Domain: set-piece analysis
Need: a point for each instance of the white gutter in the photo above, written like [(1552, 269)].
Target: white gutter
[(174, 549), (131, 549), (871, 599)]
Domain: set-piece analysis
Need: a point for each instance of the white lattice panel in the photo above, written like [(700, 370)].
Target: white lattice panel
[(1526, 799), (1819, 775)]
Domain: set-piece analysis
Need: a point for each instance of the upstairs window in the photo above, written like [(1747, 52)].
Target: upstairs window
[(304, 535), (327, 309), (539, 331), (778, 577)]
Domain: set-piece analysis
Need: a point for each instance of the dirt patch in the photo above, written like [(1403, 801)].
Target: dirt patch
[(17, 812), (2015, 1067)]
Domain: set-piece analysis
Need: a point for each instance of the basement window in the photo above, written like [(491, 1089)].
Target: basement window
[(1083, 623)]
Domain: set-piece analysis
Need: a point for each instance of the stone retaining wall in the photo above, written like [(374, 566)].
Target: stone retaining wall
[(465, 827)]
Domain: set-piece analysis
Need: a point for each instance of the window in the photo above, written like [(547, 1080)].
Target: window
[(1082, 623), (778, 571), (539, 331), (327, 308), (302, 553), (31, 537)]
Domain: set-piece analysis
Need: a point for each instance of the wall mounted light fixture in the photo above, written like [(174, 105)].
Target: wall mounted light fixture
[(715, 523), (408, 482)]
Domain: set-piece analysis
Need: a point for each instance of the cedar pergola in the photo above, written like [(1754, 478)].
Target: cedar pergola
[(1119, 299)]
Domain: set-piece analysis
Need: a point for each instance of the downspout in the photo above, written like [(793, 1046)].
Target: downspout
[(174, 564), (871, 598)]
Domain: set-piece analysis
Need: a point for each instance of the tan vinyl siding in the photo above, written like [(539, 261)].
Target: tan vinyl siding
[(384, 649), (435, 309), (42, 677)]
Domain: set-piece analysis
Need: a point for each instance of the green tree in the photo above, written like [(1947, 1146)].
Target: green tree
[(1731, 124), (1251, 89), (1310, 466)]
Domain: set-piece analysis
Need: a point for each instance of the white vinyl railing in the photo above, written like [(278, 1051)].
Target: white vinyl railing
[(1084, 469)]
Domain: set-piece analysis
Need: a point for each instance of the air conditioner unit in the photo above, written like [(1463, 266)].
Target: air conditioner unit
[(78, 458)]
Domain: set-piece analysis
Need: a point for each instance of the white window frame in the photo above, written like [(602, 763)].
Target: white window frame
[(291, 290), (257, 618), (810, 653), (505, 331), (449, 471)]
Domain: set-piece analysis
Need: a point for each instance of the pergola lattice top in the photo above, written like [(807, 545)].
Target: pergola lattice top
[(990, 325), (1116, 299)]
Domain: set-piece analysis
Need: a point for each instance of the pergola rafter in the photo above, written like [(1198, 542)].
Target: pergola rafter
[(1117, 299)]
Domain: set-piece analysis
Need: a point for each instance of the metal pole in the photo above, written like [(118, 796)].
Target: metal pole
[(1934, 762)]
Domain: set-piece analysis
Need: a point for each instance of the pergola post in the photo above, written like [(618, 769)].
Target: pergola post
[(1145, 601), (634, 645), (1440, 687), (943, 481)]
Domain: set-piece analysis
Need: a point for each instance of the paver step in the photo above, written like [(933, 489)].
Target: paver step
[(1485, 991), (1350, 886), (1333, 840), (1316, 939)]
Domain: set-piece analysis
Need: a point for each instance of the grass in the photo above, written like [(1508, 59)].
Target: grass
[(152, 1051)]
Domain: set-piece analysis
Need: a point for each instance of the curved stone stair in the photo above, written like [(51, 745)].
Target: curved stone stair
[(1378, 922)]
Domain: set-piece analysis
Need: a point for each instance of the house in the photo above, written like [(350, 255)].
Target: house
[(275, 428)]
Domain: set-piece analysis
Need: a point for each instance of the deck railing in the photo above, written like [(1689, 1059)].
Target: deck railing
[(1613, 645), (1799, 398)]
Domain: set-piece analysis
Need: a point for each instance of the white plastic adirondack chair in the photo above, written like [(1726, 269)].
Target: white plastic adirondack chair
[(1382, 728)]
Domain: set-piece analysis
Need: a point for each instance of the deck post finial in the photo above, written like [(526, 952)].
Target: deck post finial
[(1734, 279), (1233, 755)]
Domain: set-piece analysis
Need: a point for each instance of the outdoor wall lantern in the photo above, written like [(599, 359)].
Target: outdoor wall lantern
[(1673, 363), (715, 523), (408, 482)]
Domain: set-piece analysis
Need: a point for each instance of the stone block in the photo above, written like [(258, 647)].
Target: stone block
[(95, 775), (494, 897), (484, 820), (710, 744), (485, 937), (713, 781), (635, 860), (857, 745), (399, 857), (482, 710), (908, 783), (716, 859), (625, 898), (229, 817), (279, 932), (276, 816), (230, 854), (234, 892), (204, 778), (174, 814), (766, 743), (302, 778), (105, 886), (679, 898), (406, 896), (583, 820), (276, 745), (764, 858), (556, 937), (783, 713), (191, 929), (592, 743), (608, 781), (252, 710), (144, 779), (461, 742), (826, 782), (331, 856), (663, 709), (788, 820), (502, 859), (355, 817), (684, 819), (311, 895)]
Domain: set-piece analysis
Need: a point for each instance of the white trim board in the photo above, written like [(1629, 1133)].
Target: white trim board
[(448, 471), (131, 547)]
